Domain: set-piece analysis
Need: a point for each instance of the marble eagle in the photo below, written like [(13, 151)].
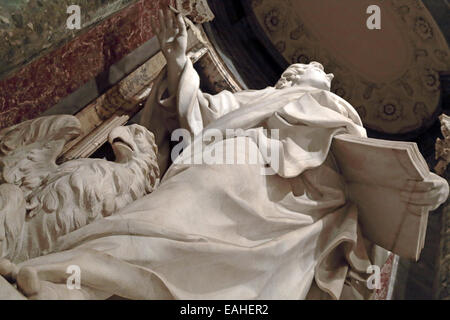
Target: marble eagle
[(40, 201)]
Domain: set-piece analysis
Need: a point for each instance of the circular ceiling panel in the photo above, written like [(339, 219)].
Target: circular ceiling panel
[(391, 75)]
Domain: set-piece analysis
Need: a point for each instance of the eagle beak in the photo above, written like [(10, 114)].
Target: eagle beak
[(122, 144)]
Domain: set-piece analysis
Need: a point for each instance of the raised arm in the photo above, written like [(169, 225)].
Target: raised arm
[(176, 100), (185, 101), (172, 37)]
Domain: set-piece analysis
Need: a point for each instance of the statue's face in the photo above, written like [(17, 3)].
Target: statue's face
[(310, 75), (131, 141)]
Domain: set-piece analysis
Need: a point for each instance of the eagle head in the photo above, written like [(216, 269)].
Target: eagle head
[(131, 141)]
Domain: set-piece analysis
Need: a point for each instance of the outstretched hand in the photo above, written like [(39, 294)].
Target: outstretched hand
[(172, 37), (429, 194)]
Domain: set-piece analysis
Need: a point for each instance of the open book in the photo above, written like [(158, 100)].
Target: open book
[(377, 171)]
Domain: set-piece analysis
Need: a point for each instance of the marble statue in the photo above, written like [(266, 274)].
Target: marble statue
[(41, 201), (225, 230), (443, 146)]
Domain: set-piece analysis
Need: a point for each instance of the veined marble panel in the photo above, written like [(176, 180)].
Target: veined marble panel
[(44, 82), (29, 29)]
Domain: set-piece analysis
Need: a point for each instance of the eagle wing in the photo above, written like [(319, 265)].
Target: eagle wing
[(28, 150)]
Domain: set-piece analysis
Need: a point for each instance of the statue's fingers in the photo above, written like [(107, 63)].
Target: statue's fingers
[(162, 26), (418, 210), (169, 19), (174, 20), (420, 198), (181, 25), (409, 198), (436, 182), (175, 26), (55, 272), (418, 186)]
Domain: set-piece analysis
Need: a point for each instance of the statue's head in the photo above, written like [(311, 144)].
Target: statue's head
[(311, 75), (132, 142)]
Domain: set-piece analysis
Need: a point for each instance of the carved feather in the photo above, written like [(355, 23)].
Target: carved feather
[(58, 199)]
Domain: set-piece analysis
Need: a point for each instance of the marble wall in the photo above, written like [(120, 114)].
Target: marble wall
[(29, 29), (62, 61)]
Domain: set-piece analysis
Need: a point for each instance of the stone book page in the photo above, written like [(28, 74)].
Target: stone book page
[(377, 171), (387, 221), (379, 162)]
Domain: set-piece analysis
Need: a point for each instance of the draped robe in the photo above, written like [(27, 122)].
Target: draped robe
[(226, 231)]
